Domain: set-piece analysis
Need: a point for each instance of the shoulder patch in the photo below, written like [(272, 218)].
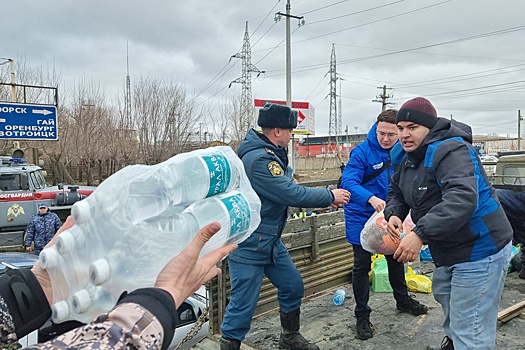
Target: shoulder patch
[(270, 151), (275, 168)]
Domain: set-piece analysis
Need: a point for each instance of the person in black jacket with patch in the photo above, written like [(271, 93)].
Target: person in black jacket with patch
[(440, 179)]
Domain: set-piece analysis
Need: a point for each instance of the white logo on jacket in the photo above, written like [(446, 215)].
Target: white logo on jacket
[(377, 166)]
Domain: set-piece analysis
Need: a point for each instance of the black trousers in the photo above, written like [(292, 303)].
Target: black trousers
[(361, 284)]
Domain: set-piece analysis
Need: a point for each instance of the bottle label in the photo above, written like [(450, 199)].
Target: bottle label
[(239, 211), (220, 173)]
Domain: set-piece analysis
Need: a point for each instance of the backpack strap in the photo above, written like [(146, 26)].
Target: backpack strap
[(376, 173)]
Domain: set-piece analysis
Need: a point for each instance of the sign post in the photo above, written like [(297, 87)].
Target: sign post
[(28, 122)]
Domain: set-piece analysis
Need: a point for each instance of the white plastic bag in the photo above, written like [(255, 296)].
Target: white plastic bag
[(375, 238)]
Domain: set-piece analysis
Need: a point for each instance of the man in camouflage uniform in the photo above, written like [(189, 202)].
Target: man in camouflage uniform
[(41, 228)]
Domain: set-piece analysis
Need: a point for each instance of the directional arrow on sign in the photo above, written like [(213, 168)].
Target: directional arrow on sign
[(42, 111), (300, 117)]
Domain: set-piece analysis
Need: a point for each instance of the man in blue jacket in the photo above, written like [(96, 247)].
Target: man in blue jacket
[(366, 176), (265, 160), (439, 178), (41, 228)]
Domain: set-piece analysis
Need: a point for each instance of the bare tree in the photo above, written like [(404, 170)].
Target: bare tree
[(91, 123), (229, 125), (164, 119)]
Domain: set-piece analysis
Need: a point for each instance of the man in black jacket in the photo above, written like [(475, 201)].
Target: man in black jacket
[(440, 179)]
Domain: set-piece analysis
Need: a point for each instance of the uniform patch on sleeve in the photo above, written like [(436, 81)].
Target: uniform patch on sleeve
[(275, 168)]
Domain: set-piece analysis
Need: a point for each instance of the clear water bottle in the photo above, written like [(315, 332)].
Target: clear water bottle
[(339, 296), (109, 276), (144, 191), (105, 253)]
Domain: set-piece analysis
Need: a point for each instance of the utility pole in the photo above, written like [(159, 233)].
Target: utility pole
[(520, 118), (247, 118), (278, 15), (382, 98)]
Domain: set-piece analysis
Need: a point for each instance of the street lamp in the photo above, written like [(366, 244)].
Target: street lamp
[(13, 86), (356, 127)]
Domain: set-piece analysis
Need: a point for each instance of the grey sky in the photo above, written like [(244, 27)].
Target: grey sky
[(466, 56)]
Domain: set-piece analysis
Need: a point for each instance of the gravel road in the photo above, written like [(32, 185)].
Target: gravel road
[(333, 327)]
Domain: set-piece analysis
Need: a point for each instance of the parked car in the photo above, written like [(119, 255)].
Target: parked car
[(188, 312), (486, 158)]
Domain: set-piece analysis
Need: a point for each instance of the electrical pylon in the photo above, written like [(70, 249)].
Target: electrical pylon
[(247, 118), (334, 127), (128, 122)]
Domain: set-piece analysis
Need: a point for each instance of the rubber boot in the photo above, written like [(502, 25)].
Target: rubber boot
[(290, 336), (230, 344)]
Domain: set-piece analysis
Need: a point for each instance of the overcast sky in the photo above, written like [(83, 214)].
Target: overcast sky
[(466, 56)]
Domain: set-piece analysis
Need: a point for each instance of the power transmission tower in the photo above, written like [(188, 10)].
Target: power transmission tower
[(127, 110), (382, 97), (334, 125), (247, 118)]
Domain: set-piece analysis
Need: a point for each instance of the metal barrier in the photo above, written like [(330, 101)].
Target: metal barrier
[(319, 249)]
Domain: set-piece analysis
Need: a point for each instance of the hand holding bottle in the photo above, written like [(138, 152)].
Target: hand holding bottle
[(185, 273), (41, 275)]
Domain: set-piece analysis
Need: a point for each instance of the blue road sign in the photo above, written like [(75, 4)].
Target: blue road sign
[(28, 122)]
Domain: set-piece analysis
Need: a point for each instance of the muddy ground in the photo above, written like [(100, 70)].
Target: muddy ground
[(333, 327)]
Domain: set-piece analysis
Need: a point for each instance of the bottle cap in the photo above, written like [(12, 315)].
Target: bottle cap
[(48, 258), (65, 242), (60, 311), (99, 272), (81, 301), (81, 212)]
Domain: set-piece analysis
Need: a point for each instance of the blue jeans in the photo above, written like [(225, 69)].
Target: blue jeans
[(469, 294), (361, 282)]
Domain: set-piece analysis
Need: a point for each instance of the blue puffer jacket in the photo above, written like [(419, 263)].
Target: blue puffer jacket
[(451, 201), (364, 160), (267, 168), (41, 229)]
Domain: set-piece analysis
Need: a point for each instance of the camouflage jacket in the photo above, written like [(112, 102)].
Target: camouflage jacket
[(41, 229), (129, 325)]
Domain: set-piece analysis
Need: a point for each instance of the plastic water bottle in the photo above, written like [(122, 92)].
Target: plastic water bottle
[(180, 180), (339, 296), (121, 241)]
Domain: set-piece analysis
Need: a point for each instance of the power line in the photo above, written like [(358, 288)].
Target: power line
[(372, 22), (498, 32), (354, 13)]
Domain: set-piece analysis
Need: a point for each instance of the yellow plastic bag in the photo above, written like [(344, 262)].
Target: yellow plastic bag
[(418, 283)]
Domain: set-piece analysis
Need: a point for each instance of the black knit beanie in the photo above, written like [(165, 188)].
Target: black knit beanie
[(418, 110), (277, 116)]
